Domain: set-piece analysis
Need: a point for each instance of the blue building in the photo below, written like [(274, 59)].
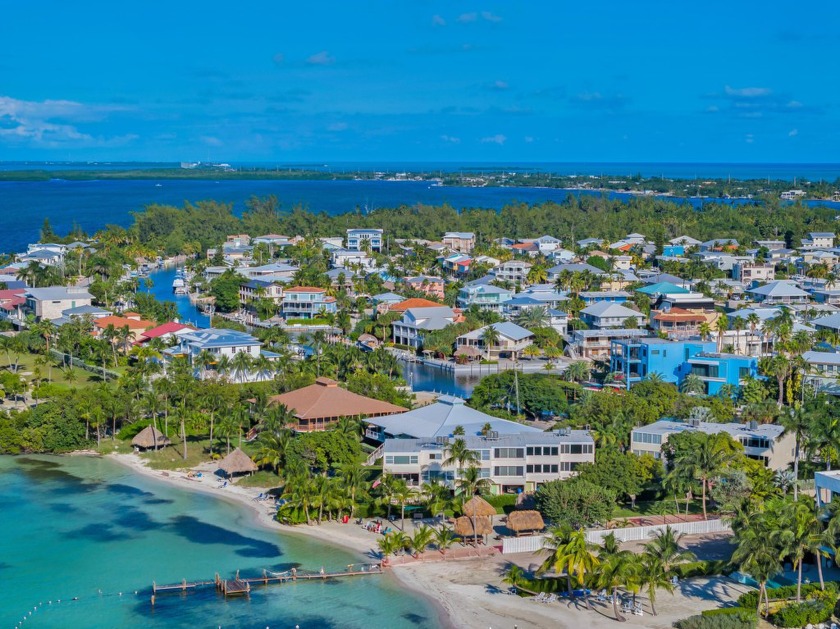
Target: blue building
[(637, 358), (718, 370), (611, 296)]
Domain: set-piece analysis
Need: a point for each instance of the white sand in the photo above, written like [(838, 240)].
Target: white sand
[(467, 592)]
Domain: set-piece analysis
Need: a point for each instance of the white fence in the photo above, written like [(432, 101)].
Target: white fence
[(631, 534)]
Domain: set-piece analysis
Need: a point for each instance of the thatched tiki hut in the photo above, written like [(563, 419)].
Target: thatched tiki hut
[(237, 462), (478, 506), (525, 521), (149, 438), (464, 527)]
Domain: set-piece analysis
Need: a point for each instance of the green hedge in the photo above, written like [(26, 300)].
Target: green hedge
[(750, 599), (801, 614), (701, 568), (740, 612), (721, 621), (505, 502)]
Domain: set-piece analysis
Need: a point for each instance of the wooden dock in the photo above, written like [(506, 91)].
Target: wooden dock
[(241, 586)]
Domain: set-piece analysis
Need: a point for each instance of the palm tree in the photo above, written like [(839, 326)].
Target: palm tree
[(490, 338), (797, 422), (459, 454), (530, 318), (578, 371), (352, 476), (272, 449), (796, 531), (422, 538), (721, 326), (569, 553), (401, 493), (617, 568), (693, 385), (758, 558), (531, 351), (702, 463), (241, 364), (438, 497), (705, 330), (443, 539), (660, 557)]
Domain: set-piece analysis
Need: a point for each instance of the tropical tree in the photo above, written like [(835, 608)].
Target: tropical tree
[(578, 371), (443, 539), (616, 568), (423, 536), (569, 553), (702, 463), (797, 423), (658, 561), (490, 338), (693, 385)]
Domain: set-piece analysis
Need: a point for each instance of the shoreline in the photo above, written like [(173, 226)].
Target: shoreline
[(328, 533)]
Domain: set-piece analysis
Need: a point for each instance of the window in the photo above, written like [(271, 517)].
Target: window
[(542, 450), (509, 453), (484, 455), (542, 469), (743, 372), (435, 456), (576, 448), (405, 459), (568, 466), (645, 437), (508, 470)]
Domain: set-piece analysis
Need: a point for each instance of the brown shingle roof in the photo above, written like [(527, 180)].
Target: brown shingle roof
[(326, 400)]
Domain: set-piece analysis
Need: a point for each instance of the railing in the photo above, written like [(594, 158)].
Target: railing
[(534, 543), (376, 454)]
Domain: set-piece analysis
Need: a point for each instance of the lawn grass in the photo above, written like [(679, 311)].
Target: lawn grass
[(262, 478), (26, 364), (655, 507)]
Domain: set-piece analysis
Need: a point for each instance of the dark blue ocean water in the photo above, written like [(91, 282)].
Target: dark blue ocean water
[(94, 204)]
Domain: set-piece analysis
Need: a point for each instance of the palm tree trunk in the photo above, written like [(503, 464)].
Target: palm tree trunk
[(618, 616), (799, 582), (184, 436), (796, 471), (760, 598), (819, 572), (212, 416), (705, 517)]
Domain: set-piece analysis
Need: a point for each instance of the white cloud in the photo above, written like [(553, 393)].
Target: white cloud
[(322, 58), (500, 85), (464, 18), (490, 17), (210, 140), (793, 133), (438, 20), (337, 126), (450, 139), (749, 138), (528, 139), (494, 139), (279, 58), (748, 92), (53, 122)]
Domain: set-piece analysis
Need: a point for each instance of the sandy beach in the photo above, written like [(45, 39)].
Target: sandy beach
[(468, 592)]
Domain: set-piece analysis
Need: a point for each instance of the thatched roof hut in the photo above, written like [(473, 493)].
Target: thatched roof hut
[(468, 351), (479, 506), (237, 462), (149, 438), (464, 526), (520, 521)]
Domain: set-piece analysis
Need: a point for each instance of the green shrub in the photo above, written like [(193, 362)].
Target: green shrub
[(801, 614), (750, 599), (740, 612), (720, 621), (505, 502), (702, 569)]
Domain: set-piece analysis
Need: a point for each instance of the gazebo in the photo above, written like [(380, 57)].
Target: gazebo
[(468, 352), (525, 521), (464, 527), (237, 462), (478, 506), (149, 438)]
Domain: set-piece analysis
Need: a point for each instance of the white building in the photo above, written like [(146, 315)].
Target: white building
[(50, 302), (418, 321), (764, 442), (356, 238)]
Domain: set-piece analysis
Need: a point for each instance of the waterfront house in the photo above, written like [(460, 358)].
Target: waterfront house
[(595, 344), (416, 322), (413, 302), (609, 315), (637, 358), (345, 258), (319, 406), (12, 301), (511, 463), (166, 332), (219, 343), (462, 242), (780, 292), (596, 296), (49, 302), (136, 326), (356, 239), (306, 302), (269, 272), (253, 290), (456, 264), (484, 296), (719, 370), (512, 339)]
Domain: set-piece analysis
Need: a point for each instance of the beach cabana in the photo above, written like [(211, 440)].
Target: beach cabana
[(525, 521), (464, 527), (478, 506), (149, 438), (237, 462)]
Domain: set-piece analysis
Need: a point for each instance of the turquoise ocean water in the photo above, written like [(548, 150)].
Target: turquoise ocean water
[(86, 528)]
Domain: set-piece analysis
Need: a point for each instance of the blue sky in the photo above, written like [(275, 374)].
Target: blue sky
[(400, 80)]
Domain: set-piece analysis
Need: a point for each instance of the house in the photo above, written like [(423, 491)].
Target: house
[(819, 240), (319, 406), (622, 263), (12, 301), (511, 463), (555, 272), (462, 242), (637, 358), (440, 419), (722, 260), (685, 241), (331, 243), (484, 296), (546, 294), (513, 271), (383, 301), (608, 315), (780, 292), (416, 322), (456, 264), (657, 289), (677, 323), (545, 244), (344, 258), (253, 290), (823, 367), (590, 242), (413, 302), (269, 272), (526, 249), (219, 343), (136, 326), (719, 244), (166, 332), (238, 240), (432, 286), (828, 322), (824, 296), (748, 272), (274, 241), (306, 302), (767, 443), (718, 370), (512, 339), (49, 302), (596, 344), (356, 239)]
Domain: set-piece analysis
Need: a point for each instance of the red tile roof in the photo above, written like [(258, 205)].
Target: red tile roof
[(305, 289), (167, 328), (121, 322), (414, 302)]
